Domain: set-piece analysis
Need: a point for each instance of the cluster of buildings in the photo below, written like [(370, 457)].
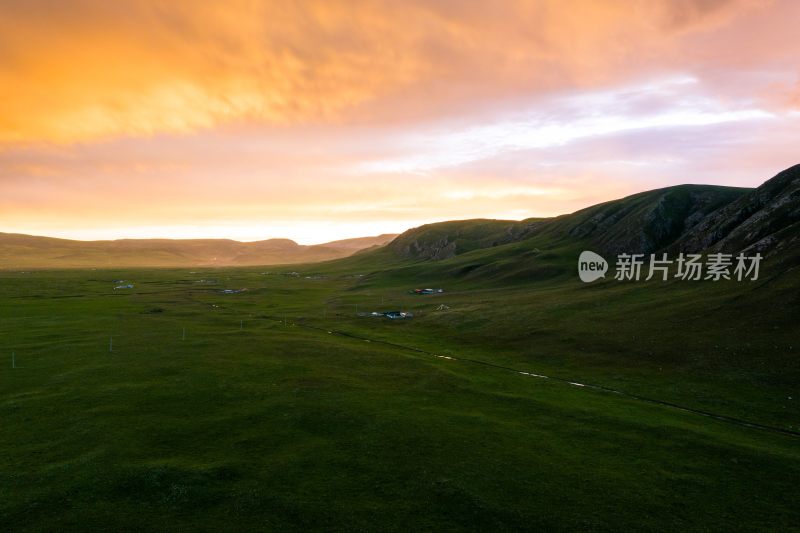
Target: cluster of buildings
[(427, 291), (392, 315)]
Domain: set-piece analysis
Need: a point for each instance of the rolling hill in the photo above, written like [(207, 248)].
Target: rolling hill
[(25, 251), (687, 218)]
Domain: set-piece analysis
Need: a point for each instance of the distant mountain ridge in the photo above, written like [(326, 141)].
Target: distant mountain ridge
[(26, 251)]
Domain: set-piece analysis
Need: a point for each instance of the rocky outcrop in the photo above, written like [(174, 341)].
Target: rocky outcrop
[(765, 219), (442, 248), (650, 221), (447, 239)]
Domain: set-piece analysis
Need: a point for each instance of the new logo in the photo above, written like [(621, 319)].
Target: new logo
[(591, 266)]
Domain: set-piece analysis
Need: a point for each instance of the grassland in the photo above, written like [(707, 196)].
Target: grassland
[(282, 409)]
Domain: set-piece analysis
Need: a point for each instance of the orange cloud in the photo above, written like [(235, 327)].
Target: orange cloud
[(90, 69)]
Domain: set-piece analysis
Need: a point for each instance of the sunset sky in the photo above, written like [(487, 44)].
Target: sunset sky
[(322, 120)]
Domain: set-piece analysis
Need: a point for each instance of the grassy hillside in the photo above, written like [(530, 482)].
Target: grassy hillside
[(641, 223), (728, 346)]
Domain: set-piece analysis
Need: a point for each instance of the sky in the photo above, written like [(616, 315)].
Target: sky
[(321, 120)]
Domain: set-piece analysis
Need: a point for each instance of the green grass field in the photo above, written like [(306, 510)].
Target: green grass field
[(282, 409)]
